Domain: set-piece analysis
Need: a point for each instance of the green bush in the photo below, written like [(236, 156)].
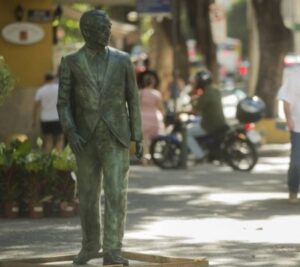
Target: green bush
[(28, 174), (64, 160), (64, 163), (7, 81), (12, 168)]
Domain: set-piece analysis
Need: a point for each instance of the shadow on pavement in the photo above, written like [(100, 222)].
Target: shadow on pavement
[(234, 219)]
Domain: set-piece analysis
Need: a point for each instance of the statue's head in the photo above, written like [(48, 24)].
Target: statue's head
[(95, 27)]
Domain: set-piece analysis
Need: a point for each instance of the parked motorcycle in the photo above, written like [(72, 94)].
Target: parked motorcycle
[(235, 145)]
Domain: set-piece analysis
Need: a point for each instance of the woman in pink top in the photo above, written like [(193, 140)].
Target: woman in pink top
[(151, 110)]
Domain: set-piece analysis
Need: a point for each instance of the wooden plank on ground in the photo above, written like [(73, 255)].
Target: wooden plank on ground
[(141, 260), (151, 258), (203, 263), (19, 264), (48, 259)]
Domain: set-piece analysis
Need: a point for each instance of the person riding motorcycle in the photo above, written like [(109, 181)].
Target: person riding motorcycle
[(206, 102)]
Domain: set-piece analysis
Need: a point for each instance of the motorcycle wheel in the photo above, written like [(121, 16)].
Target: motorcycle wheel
[(240, 154), (165, 152)]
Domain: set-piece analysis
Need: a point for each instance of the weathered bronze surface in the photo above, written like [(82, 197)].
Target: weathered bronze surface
[(99, 110)]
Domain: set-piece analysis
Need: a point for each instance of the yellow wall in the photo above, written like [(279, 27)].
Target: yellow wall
[(272, 131), (29, 63)]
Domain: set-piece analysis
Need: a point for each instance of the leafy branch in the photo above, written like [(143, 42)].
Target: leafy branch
[(7, 80)]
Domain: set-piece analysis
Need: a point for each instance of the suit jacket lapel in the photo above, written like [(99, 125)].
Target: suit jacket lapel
[(108, 71), (87, 69)]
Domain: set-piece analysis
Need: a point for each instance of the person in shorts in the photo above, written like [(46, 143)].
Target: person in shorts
[(45, 105)]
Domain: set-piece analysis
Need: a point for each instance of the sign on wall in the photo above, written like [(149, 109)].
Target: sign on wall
[(39, 15), (153, 6), (22, 33)]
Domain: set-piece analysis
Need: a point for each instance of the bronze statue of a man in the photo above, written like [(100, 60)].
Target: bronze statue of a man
[(99, 110)]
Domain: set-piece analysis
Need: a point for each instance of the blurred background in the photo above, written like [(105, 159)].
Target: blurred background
[(247, 45)]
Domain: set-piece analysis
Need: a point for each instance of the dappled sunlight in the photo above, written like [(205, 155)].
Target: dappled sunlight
[(28, 238), (275, 161), (272, 165), (156, 171), (66, 263), (169, 189), (263, 182), (17, 251), (242, 197), (235, 219), (275, 149), (36, 226), (266, 168), (211, 230), (137, 211)]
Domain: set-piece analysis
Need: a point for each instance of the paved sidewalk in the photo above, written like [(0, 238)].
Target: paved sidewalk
[(234, 219)]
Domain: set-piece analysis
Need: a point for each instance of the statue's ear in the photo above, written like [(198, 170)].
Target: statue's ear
[(85, 32)]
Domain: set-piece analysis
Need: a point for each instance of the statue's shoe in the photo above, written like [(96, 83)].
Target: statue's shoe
[(84, 256), (113, 258)]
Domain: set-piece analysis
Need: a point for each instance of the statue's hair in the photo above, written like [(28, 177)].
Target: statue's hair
[(88, 18)]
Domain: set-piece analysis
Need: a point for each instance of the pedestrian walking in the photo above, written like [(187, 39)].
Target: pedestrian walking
[(45, 106), (289, 93), (152, 112)]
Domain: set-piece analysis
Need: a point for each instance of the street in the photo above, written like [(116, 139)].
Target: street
[(234, 219)]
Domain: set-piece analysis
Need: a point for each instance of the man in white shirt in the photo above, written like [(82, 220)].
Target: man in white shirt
[(289, 93), (45, 101)]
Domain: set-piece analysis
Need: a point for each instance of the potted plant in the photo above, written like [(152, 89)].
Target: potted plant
[(8, 187), (48, 189), (11, 161), (36, 165), (64, 164)]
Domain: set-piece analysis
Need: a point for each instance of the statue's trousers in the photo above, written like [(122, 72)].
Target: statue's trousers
[(103, 160)]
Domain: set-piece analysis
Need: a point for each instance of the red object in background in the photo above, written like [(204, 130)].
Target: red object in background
[(23, 35), (249, 126), (197, 92), (243, 70)]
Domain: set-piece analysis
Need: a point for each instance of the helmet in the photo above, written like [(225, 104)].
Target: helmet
[(250, 109), (203, 78)]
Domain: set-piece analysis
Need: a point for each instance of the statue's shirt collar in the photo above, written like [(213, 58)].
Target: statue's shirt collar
[(93, 53)]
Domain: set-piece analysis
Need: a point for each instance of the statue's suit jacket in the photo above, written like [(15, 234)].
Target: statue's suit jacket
[(81, 103)]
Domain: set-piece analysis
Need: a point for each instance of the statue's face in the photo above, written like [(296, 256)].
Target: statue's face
[(98, 34)]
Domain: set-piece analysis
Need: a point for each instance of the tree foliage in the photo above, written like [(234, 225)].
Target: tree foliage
[(7, 80), (70, 26)]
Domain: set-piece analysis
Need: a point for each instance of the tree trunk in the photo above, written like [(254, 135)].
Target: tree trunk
[(182, 63), (160, 54), (198, 14), (275, 40)]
